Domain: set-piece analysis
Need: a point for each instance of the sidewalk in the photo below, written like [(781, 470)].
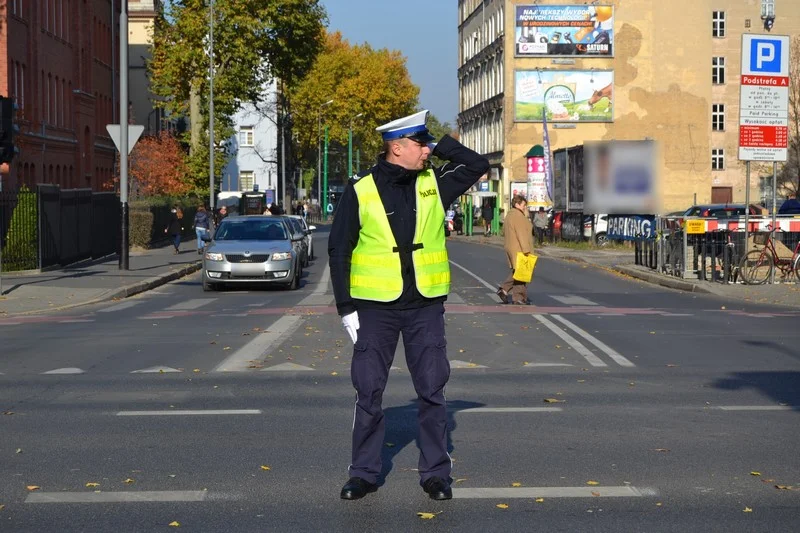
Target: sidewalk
[(91, 282), (622, 262)]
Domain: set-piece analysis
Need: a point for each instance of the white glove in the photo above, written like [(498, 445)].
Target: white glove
[(351, 325)]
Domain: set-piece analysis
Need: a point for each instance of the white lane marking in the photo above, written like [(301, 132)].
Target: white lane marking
[(155, 316), (75, 320), (192, 412), (118, 497), (68, 370), (455, 298), (547, 364), (552, 492), (255, 350), (613, 354), (10, 323), (317, 299), (455, 363), (758, 407), (156, 370), (322, 286), (511, 410), (484, 283), (190, 304), (577, 346), (120, 306), (571, 299), (287, 367)]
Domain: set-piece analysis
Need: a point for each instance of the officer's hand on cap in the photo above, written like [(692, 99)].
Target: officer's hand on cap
[(351, 325)]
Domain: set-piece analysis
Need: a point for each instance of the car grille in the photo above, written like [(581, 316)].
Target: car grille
[(240, 258), (265, 276)]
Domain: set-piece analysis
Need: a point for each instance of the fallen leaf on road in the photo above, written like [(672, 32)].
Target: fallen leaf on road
[(2, 507), (171, 475), (227, 348), (256, 329), (754, 473), (671, 366), (175, 524), (659, 504), (784, 487), (595, 493), (129, 481), (499, 334), (33, 487), (92, 484), (265, 467), (581, 381), (461, 479), (461, 350), (472, 365), (592, 483), (213, 342), (516, 484), (19, 450), (8, 413), (539, 500), (502, 506), (334, 373), (747, 510), (553, 400), (426, 516), (664, 450), (196, 370)]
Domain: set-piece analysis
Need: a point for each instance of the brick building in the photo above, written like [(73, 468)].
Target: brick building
[(671, 74), (59, 60)]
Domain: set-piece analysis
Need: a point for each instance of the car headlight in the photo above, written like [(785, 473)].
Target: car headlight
[(213, 256), (281, 256)]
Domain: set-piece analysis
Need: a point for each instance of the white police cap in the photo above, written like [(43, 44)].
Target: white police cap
[(411, 127)]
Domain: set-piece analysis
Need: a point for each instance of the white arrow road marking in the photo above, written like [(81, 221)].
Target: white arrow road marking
[(619, 359), (758, 407), (192, 412), (577, 346), (571, 299), (69, 370), (118, 497), (287, 367), (190, 304), (156, 370), (455, 363), (554, 492), (255, 350), (120, 306), (511, 410)]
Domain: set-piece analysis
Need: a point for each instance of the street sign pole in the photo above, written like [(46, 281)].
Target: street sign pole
[(123, 134), (324, 207), (747, 208)]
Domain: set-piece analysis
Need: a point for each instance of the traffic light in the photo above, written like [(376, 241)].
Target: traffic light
[(8, 129)]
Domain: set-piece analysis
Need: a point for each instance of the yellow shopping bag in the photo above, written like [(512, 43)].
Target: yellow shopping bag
[(523, 270)]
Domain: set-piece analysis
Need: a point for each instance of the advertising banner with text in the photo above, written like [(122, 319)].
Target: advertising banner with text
[(564, 30)]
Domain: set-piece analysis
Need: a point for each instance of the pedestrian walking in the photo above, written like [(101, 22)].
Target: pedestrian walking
[(518, 238), (202, 225), (391, 276), (175, 227), (222, 212), (487, 214), (540, 225)]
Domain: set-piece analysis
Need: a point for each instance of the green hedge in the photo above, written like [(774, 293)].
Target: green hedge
[(21, 251)]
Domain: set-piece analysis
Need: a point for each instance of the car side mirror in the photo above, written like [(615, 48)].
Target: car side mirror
[(312, 228)]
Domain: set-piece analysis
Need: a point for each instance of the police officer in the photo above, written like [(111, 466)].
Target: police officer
[(391, 276)]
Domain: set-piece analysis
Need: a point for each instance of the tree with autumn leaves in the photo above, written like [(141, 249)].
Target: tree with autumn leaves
[(158, 167)]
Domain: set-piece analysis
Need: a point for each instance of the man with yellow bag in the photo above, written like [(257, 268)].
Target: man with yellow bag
[(519, 252)]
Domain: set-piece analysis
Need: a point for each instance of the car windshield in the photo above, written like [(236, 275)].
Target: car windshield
[(250, 230)]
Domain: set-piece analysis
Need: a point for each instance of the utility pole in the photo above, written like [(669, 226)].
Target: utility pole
[(350, 147), (319, 153), (210, 106), (124, 259)]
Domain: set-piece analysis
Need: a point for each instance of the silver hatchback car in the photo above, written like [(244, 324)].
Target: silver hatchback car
[(251, 249)]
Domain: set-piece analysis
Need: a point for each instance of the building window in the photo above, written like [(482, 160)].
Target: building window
[(718, 24), (717, 70), (718, 117), (246, 180), (717, 159), (246, 136), (767, 8)]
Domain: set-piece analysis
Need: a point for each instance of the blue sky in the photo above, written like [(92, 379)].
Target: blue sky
[(424, 31)]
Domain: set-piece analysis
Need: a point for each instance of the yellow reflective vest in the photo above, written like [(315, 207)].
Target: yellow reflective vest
[(375, 271)]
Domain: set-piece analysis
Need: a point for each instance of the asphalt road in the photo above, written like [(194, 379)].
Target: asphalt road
[(614, 405)]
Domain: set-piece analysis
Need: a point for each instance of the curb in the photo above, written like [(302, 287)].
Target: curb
[(658, 279), (125, 291)]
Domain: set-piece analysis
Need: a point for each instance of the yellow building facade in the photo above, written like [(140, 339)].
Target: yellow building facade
[(674, 71)]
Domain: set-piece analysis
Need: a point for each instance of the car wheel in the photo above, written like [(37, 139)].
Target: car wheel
[(601, 239)]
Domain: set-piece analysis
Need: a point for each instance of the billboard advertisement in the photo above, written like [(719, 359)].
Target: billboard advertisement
[(564, 30), (564, 95)]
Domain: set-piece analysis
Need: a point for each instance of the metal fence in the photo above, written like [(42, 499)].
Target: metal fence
[(715, 254), (53, 227)]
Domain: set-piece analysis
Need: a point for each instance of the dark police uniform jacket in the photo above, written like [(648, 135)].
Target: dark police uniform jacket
[(396, 188)]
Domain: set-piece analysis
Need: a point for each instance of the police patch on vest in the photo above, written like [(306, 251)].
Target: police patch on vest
[(429, 192)]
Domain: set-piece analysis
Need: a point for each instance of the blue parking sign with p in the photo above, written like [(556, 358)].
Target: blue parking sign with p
[(765, 56)]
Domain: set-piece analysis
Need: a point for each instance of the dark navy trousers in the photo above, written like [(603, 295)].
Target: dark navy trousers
[(426, 357)]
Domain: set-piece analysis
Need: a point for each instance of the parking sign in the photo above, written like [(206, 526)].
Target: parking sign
[(764, 98)]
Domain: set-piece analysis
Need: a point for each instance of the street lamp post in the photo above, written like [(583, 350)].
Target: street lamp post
[(350, 147), (325, 177), (319, 150)]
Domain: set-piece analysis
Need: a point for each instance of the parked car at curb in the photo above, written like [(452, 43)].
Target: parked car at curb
[(308, 231), (251, 249), (600, 229), (299, 239)]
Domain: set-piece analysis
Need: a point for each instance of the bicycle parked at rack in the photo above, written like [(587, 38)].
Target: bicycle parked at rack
[(757, 266)]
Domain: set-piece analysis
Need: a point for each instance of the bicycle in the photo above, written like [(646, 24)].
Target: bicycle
[(757, 266)]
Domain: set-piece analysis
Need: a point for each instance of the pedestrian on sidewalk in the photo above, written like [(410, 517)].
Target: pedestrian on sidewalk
[(540, 224), (390, 275), (487, 214), (202, 225), (175, 227), (222, 212), (518, 238)]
